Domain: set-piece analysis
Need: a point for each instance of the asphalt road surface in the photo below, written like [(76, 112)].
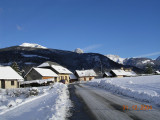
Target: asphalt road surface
[(94, 103)]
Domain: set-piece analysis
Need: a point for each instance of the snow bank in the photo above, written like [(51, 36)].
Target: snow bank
[(41, 103), (62, 103), (41, 81), (143, 88)]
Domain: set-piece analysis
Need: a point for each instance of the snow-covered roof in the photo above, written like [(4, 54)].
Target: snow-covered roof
[(158, 72), (61, 69), (119, 72), (125, 73), (48, 63), (58, 68), (7, 73), (72, 76), (44, 65), (108, 73), (46, 72), (85, 73), (33, 45)]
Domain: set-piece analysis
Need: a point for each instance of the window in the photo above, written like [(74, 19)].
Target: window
[(62, 77), (12, 82), (65, 77)]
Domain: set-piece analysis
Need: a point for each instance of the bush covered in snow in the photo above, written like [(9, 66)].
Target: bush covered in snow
[(45, 103)]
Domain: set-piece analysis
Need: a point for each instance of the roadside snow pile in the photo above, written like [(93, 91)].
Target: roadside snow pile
[(143, 88), (41, 103), (32, 45)]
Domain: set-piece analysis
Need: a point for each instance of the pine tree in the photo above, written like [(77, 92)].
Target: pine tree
[(148, 69), (16, 68)]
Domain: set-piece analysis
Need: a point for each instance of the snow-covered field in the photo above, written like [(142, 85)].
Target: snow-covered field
[(38, 103), (142, 88)]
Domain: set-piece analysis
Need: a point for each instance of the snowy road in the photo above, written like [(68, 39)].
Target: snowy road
[(107, 106)]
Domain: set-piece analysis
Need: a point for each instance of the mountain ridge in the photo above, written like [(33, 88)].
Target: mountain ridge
[(137, 62), (28, 57)]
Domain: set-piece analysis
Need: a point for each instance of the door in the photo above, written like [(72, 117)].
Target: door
[(2, 84)]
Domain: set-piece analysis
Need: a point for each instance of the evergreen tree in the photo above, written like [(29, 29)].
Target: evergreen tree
[(148, 69), (16, 68)]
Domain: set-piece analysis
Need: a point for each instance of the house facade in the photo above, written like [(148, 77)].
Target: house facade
[(85, 75), (9, 78), (40, 73), (73, 78), (62, 72), (118, 73)]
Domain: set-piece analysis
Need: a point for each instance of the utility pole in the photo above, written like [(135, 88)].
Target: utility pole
[(101, 66)]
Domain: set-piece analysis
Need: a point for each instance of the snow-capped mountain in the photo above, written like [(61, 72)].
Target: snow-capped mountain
[(33, 45), (27, 57), (116, 58), (78, 50), (136, 62)]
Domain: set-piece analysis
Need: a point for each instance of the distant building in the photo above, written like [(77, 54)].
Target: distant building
[(9, 78), (85, 75), (107, 74), (40, 73), (127, 69), (123, 73), (118, 73), (73, 78), (157, 72), (62, 72), (130, 74)]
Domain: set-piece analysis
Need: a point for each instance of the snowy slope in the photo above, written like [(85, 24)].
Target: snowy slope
[(158, 59), (32, 45), (136, 62), (51, 103), (143, 88), (116, 58)]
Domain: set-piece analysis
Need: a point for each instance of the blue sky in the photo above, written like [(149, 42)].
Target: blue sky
[(128, 28)]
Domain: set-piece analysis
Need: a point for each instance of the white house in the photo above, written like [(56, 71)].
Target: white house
[(122, 73), (40, 73), (9, 78), (61, 71), (85, 74)]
